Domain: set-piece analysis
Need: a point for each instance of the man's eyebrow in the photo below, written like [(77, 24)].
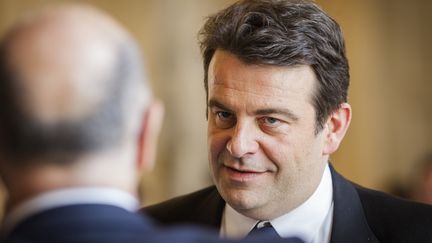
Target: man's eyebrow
[(285, 112), (214, 103)]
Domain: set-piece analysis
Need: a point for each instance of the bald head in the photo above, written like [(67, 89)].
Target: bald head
[(71, 83)]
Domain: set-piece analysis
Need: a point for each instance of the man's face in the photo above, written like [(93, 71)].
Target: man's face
[(265, 157)]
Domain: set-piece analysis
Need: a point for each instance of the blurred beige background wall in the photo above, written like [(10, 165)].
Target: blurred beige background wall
[(390, 52)]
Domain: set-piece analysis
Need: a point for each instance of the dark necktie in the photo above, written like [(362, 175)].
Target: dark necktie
[(263, 229)]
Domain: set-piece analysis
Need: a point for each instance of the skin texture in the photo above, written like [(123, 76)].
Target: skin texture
[(265, 157), (42, 53)]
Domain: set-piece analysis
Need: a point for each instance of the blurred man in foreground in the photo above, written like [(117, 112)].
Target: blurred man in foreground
[(276, 79), (77, 125)]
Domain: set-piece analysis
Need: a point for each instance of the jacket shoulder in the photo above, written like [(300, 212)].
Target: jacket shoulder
[(394, 219), (201, 207)]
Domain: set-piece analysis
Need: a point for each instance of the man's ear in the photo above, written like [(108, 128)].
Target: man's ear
[(148, 137), (337, 125)]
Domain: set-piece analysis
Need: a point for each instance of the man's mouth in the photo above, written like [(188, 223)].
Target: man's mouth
[(242, 174)]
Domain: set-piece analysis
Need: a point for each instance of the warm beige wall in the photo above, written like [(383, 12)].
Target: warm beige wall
[(389, 52)]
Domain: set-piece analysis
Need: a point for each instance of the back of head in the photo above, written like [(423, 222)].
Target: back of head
[(283, 33), (71, 83)]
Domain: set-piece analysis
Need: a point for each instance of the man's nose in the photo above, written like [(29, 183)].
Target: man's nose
[(243, 141)]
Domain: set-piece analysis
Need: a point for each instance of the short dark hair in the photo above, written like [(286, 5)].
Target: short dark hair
[(24, 138), (283, 33)]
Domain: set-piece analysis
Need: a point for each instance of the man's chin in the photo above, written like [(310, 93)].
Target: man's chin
[(240, 199)]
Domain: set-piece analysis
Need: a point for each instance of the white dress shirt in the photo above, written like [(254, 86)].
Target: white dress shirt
[(67, 197), (311, 221)]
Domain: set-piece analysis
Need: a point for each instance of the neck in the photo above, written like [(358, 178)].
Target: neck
[(113, 169)]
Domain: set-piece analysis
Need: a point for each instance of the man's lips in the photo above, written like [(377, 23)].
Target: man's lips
[(242, 174)]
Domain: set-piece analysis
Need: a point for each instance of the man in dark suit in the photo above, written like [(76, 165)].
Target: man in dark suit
[(276, 79), (77, 125)]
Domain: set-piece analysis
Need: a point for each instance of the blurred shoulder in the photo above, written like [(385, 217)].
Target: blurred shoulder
[(394, 219)]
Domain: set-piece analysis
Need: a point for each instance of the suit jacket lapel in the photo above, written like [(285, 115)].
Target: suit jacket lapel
[(210, 209), (349, 221)]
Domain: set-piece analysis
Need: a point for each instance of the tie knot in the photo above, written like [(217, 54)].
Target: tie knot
[(262, 224), (264, 228)]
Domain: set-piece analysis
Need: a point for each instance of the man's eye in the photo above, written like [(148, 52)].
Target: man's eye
[(224, 115), (224, 119), (270, 121)]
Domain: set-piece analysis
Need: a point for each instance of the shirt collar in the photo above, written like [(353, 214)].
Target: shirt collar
[(67, 197), (306, 221)]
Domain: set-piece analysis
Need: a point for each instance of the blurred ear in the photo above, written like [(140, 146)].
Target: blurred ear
[(150, 129), (337, 125)]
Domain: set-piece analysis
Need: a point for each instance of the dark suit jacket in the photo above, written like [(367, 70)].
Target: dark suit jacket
[(105, 224), (360, 214)]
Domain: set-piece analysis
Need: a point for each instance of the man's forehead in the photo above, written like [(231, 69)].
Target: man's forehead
[(226, 68), (231, 76)]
